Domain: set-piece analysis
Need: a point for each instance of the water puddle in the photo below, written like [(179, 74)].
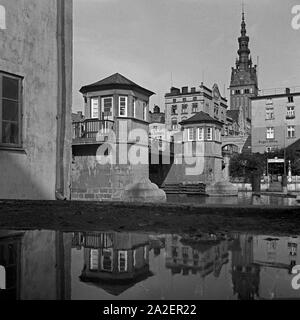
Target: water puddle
[(107, 265)]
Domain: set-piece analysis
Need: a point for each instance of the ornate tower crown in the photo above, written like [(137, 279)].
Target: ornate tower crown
[(244, 61)]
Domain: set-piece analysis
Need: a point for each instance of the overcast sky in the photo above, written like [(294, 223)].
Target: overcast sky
[(195, 40)]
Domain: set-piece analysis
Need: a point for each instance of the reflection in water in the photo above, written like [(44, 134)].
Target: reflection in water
[(243, 199), (37, 265), (114, 261), (108, 265)]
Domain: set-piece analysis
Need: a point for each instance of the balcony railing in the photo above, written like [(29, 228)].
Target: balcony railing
[(90, 128)]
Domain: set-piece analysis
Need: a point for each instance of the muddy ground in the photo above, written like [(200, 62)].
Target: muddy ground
[(164, 218)]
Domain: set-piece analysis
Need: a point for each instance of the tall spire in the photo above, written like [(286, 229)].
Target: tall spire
[(243, 51)]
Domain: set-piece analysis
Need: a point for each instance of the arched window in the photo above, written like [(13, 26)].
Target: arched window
[(2, 278), (2, 18)]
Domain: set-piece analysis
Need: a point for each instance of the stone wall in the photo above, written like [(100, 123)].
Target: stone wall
[(92, 181)]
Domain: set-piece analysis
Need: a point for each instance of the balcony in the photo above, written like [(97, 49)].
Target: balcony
[(91, 131)]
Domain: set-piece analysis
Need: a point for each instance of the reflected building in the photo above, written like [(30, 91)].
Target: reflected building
[(114, 262), (245, 273), (201, 256), (35, 265)]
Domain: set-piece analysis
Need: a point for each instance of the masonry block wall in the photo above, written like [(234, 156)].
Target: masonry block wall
[(92, 181)]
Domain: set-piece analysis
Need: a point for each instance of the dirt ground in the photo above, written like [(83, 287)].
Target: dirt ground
[(157, 218)]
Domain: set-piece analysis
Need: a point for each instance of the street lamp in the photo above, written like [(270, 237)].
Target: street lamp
[(284, 178)]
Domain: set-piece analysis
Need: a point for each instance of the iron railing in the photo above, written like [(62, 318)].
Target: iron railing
[(89, 128)]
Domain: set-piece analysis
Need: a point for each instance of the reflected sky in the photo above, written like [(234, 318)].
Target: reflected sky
[(51, 265)]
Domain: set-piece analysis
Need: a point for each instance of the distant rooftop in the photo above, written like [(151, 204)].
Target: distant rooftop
[(200, 117), (115, 81), (277, 92)]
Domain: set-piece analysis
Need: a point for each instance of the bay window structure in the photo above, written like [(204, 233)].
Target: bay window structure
[(10, 110), (270, 134)]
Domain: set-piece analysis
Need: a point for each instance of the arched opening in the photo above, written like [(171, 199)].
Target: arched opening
[(2, 18), (230, 149), (2, 278)]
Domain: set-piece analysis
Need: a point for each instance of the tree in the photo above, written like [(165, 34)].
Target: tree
[(246, 165)]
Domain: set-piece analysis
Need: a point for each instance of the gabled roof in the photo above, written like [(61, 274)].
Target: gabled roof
[(233, 114), (199, 118), (115, 81)]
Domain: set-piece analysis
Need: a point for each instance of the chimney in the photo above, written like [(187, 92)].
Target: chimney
[(185, 90)]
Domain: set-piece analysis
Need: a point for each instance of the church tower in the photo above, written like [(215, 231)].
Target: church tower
[(243, 83)]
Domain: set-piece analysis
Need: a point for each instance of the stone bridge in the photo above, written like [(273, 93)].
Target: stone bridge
[(237, 144)]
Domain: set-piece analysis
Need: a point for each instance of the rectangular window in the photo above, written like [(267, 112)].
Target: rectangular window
[(209, 134), (107, 260), (174, 110), (195, 108), (145, 112), (270, 133), (270, 114), (191, 135), (107, 108), (291, 99), (94, 260), (291, 131), (134, 107), (200, 134), (10, 110), (123, 106), (174, 124), (247, 91), (218, 135), (184, 109), (122, 261), (290, 112), (95, 108)]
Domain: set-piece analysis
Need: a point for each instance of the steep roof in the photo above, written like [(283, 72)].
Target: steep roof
[(233, 114), (200, 117), (115, 81)]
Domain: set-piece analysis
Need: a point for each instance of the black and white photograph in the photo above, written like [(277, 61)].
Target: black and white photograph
[(149, 153)]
